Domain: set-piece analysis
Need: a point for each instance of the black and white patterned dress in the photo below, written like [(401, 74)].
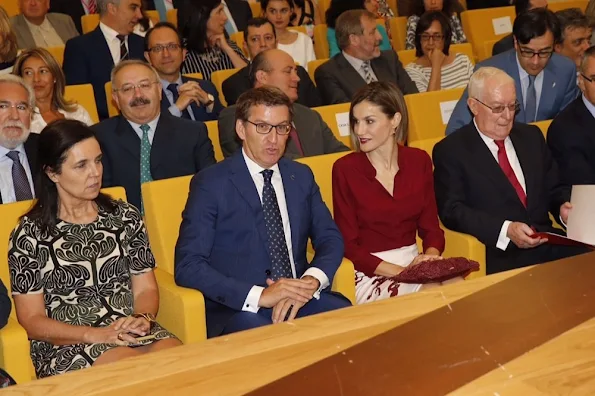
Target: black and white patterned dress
[(85, 274)]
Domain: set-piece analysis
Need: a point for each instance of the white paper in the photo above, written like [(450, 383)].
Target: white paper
[(446, 109), (343, 123), (581, 220), (502, 25)]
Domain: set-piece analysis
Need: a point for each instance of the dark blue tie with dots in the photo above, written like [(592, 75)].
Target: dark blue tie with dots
[(274, 224)]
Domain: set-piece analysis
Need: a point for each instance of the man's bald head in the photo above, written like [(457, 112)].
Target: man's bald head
[(276, 68)]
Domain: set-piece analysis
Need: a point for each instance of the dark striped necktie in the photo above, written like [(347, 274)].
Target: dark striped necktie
[(123, 49)]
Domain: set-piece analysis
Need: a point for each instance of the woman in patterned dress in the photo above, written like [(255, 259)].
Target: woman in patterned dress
[(81, 268)]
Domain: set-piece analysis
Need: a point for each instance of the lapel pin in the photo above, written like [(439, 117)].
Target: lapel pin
[(292, 177), (554, 84)]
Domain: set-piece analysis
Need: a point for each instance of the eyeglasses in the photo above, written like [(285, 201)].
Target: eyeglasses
[(589, 79), (264, 128), (171, 47), (21, 107), (127, 89), (514, 107), (435, 37), (526, 53)]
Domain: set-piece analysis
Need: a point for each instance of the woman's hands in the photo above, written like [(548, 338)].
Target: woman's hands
[(118, 332)]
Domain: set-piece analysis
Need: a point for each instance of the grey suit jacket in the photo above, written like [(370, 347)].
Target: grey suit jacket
[(315, 136), (338, 81), (62, 23)]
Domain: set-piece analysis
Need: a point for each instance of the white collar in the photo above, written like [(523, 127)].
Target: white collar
[(353, 61), (20, 148), (254, 169), (108, 32), (487, 140), (152, 124)]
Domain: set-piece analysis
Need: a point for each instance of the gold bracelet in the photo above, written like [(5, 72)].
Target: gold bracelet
[(149, 317)]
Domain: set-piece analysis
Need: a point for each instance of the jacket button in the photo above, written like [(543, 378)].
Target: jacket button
[(268, 272)]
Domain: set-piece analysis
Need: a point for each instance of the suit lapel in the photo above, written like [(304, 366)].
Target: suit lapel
[(102, 51), (242, 180), (292, 194), (58, 27), (304, 131), (523, 153), (161, 141), (25, 32), (128, 138), (513, 71), (350, 74), (548, 92), (381, 71)]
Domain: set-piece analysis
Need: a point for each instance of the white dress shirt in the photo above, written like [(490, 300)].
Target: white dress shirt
[(524, 76), (357, 65), (6, 184), (251, 302), (152, 125), (44, 35), (503, 240), (113, 42)]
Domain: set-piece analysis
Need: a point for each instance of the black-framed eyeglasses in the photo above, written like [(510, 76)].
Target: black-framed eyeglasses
[(263, 128), (514, 107), (589, 79), (527, 53), (434, 37), (171, 47)]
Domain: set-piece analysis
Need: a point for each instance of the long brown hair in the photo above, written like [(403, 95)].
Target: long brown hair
[(9, 49), (58, 100)]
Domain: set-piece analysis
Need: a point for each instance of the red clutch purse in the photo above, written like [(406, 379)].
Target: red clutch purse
[(437, 270)]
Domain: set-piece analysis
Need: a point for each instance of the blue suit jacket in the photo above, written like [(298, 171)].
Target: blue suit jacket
[(222, 249), (200, 113), (88, 60), (559, 88)]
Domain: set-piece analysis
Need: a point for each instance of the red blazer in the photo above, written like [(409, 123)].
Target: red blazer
[(371, 220)]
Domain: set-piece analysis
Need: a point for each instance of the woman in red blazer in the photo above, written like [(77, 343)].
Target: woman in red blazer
[(383, 196)]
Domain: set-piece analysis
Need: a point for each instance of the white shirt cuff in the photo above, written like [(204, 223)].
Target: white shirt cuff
[(173, 110), (210, 107), (562, 222), (503, 240), (251, 302), (322, 278)]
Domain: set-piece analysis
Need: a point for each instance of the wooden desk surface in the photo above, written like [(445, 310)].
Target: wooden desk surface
[(246, 361)]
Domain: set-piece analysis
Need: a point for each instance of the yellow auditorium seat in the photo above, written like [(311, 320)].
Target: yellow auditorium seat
[(322, 167), (321, 47), (89, 22), (313, 65), (11, 7), (238, 37), (329, 116), (408, 56), (398, 28), (392, 4), (488, 47), (256, 8), (323, 5), (112, 108), (172, 17), (426, 112), (217, 79), (487, 24), (543, 125), (57, 53), (153, 16), (426, 145), (213, 131), (555, 6), (164, 201), (84, 96)]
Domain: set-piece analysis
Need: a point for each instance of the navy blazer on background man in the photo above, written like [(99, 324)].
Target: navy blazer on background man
[(30, 146), (180, 147), (222, 247), (200, 112), (88, 60), (558, 90)]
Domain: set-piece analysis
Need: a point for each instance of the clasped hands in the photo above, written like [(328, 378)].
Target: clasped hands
[(288, 295), (120, 332), (190, 92), (522, 235)]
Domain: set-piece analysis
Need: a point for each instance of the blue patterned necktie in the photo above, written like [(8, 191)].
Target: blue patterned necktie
[(531, 102), (22, 190), (278, 251)]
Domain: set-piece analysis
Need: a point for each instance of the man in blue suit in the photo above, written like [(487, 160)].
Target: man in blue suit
[(545, 81), (182, 96), (91, 57), (246, 226)]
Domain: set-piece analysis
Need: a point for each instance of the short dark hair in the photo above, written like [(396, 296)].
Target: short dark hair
[(337, 7), (256, 23), (193, 16), (448, 7), (535, 23), (348, 23), (162, 25), (571, 18), (589, 53), (267, 96), (424, 23), (260, 62), (55, 141), (521, 6)]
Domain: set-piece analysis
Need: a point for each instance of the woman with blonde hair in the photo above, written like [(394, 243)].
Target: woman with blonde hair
[(8, 44), (383, 196), (42, 72)]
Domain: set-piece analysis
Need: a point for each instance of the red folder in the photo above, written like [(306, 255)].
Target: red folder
[(556, 239)]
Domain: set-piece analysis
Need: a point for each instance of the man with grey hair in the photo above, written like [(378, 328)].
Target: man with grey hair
[(90, 58), (571, 136), (497, 181), (143, 144), (360, 61), (18, 147)]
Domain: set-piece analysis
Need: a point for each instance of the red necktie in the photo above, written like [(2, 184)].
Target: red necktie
[(91, 6), (507, 169), (296, 139)]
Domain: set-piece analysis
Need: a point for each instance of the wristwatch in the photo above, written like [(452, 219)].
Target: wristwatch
[(211, 100)]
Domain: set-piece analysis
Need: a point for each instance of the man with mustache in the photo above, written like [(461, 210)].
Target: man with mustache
[(309, 136), (18, 148), (143, 144), (360, 61)]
